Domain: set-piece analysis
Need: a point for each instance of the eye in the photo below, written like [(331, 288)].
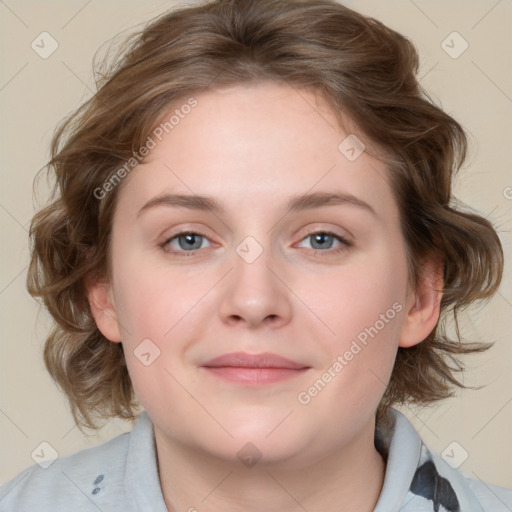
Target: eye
[(324, 240), (184, 242)]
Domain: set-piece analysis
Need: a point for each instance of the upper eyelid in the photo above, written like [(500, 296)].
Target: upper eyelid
[(328, 232)]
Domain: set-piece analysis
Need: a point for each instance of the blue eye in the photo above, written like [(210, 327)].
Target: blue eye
[(187, 243), (324, 240)]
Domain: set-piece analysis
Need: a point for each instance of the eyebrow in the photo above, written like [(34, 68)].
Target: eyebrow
[(297, 203)]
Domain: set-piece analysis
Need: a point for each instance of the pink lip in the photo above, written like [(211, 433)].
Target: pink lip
[(254, 369)]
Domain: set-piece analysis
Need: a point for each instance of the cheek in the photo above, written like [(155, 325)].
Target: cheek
[(152, 298), (358, 358), (159, 311), (362, 309), (155, 315), (356, 296)]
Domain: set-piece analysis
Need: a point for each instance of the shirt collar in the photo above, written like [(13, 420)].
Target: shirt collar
[(401, 445), (141, 479), (416, 478)]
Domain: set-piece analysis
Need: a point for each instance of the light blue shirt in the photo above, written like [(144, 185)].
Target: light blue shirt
[(122, 475)]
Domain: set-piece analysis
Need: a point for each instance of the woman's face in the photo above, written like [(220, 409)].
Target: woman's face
[(296, 251)]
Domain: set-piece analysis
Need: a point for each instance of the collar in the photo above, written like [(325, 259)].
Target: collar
[(416, 478)]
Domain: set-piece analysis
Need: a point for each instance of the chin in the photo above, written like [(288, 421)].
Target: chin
[(261, 453), (275, 441), (260, 423)]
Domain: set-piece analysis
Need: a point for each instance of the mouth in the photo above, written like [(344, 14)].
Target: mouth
[(254, 369)]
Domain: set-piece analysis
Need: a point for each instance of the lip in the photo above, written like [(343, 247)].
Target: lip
[(254, 369), (242, 359)]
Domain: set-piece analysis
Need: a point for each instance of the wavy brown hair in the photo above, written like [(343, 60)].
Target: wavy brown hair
[(363, 68)]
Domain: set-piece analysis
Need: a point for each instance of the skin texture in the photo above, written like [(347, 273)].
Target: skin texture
[(252, 148)]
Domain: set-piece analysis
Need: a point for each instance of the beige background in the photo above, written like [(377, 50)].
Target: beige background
[(35, 93)]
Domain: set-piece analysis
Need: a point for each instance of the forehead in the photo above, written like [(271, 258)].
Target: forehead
[(251, 144)]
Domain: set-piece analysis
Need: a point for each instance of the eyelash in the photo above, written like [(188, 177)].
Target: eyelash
[(345, 244)]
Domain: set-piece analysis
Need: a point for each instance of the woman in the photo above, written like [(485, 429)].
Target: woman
[(254, 238)]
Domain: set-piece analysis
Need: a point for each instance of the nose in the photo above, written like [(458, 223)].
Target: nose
[(255, 291)]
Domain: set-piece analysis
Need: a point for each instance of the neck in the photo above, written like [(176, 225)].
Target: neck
[(349, 478)]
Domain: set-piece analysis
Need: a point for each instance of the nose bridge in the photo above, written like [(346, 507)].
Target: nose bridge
[(253, 292), (251, 273)]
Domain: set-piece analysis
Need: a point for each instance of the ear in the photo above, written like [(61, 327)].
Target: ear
[(423, 306), (101, 301)]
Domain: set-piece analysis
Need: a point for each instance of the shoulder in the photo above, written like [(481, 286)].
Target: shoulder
[(491, 497), (74, 482), (418, 479)]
